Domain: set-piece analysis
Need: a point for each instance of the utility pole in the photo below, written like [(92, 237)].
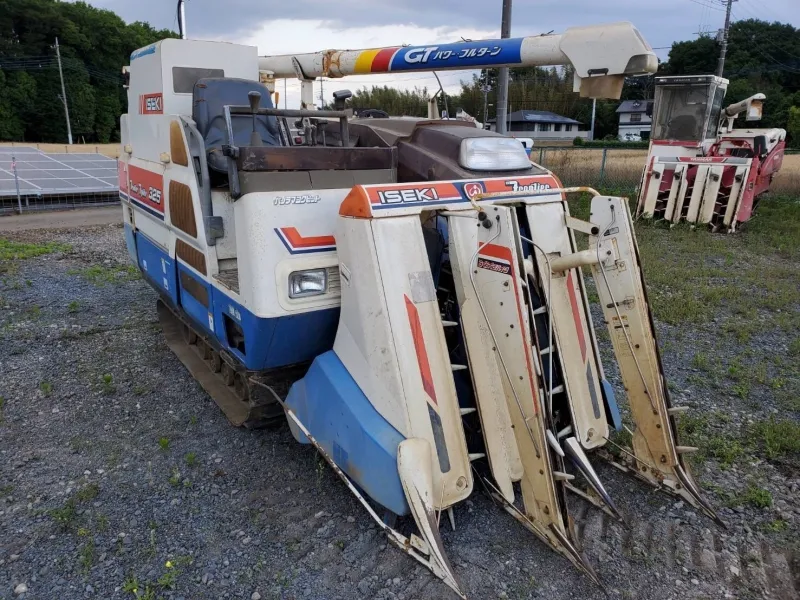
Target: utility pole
[(485, 88), (594, 110), (182, 18), (63, 94), (724, 48), (321, 94), (502, 76)]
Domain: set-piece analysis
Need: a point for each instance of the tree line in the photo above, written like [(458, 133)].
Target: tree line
[(94, 45)]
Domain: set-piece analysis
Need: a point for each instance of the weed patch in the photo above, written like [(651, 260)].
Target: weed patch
[(778, 438), (101, 275), (10, 251)]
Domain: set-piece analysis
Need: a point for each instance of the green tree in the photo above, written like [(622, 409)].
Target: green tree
[(95, 44), (793, 126)]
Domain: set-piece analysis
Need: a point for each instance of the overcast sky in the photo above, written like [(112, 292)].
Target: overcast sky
[(309, 25)]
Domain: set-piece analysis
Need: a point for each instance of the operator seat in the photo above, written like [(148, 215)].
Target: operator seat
[(209, 96)]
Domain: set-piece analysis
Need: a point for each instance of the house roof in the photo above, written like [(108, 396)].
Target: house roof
[(634, 106), (538, 116)]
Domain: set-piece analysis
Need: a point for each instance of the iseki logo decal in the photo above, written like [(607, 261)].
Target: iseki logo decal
[(408, 196), (151, 104), (515, 186), (472, 189)]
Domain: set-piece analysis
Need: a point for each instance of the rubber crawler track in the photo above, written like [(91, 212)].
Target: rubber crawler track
[(221, 375)]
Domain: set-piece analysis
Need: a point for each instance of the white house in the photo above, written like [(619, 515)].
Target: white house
[(634, 122)]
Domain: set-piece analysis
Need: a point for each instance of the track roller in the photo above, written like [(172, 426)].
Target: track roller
[(220, 376)]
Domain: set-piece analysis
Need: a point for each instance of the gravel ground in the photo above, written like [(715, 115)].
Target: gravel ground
[(119, 477)]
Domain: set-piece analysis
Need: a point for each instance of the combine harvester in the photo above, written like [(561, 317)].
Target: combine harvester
[(427, 272), (699, 168)]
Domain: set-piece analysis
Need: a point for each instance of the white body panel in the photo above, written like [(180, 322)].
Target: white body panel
[(488, 380), (391, 341), (571, 333), (264, 228), (152, 93)]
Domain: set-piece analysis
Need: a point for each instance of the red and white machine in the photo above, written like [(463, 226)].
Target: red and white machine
[(700, 169)]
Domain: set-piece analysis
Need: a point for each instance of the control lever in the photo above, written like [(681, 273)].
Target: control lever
[(255, 100)]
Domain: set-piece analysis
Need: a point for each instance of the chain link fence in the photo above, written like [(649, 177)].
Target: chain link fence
[(611, 169)]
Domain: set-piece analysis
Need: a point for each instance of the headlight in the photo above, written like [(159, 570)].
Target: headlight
[(308, 283), (493, 154)]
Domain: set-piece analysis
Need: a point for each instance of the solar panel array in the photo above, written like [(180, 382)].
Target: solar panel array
[(49, 174)]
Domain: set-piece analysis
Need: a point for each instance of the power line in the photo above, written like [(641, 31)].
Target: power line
[(706, 4)]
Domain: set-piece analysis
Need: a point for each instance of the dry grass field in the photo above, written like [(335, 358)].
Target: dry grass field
[(111, 150), (624, 168)]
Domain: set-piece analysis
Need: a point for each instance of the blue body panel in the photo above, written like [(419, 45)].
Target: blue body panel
[(157, 266), (269, 342), (341, 418), (130, 242), (612, 408), (275, 342), (194, 307)]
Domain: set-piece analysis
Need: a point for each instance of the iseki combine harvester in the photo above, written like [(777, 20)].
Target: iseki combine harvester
[(699, 168), (417, 284)]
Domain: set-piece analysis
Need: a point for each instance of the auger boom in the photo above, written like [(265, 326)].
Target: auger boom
[(415, 286)]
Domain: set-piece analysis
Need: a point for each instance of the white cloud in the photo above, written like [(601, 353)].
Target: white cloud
[(286, 36)]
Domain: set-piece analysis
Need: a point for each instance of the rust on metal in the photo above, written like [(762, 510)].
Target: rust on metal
[(318, 158)]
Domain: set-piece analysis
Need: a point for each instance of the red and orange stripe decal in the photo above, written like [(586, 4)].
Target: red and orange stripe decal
[(419, 348), (376, 60)]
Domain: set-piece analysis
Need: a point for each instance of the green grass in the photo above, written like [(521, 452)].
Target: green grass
[(776, 227), (694, 275), (107, 383), (778, 438), (87, 555), (101, 275), (2, 406), (724, 449), (700, 361), (754, 496), (191, 459), (10, 251), (73, 306), (88, 493), (776, 526), (66, 515), (163, 443), (46, 388)]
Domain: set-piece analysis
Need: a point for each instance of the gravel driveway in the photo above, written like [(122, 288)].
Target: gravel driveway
[(119, 478)]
